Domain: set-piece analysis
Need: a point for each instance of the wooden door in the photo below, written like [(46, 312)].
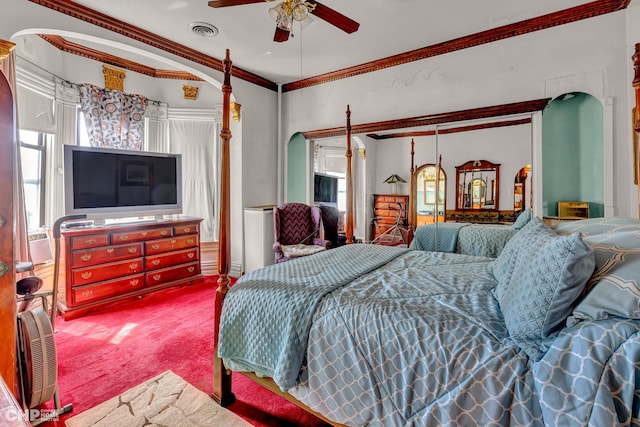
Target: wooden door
[(7, 238)]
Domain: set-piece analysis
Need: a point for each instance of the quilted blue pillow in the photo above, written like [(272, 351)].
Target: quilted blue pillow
[(518, 249), (522, 220), (614, 288), (543, 287)]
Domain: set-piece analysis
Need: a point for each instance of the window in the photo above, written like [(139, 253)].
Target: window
[(32, 151), (82, 137)]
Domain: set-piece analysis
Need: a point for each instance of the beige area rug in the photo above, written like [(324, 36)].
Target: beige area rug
[(164, 401)]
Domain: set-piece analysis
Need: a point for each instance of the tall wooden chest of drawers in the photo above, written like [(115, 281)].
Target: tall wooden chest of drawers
[(104, 264), (386, 209)]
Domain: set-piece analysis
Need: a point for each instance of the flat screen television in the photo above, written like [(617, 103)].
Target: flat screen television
[(325, 188), (107, 183)]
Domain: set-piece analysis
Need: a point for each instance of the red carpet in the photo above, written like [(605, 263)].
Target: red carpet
[(105, 353)]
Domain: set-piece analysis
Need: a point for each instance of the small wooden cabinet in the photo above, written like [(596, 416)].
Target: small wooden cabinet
[(386, 209), (104, 264)]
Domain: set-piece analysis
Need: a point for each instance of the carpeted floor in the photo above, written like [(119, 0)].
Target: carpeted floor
[(105, 353), (165, 400)]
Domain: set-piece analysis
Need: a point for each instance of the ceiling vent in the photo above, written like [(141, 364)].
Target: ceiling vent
[(204, 29)]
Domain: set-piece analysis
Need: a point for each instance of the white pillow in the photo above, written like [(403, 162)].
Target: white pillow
[(294, 251)]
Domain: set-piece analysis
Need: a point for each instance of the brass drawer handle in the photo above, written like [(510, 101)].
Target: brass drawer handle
[(190, 255), (133, 282), (124, 237), (173, 242), (186, 229), (85, 257), (156, 277), (133, 249), (191, 269), (90, 241), (190, 241), (164, 232), (86, 275), (144, 233), (155, 261), (110, 250), (87, 293), (155, 246), (133, 266)]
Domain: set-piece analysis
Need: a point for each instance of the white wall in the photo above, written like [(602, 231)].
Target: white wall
[(253, 145), (591, 54)]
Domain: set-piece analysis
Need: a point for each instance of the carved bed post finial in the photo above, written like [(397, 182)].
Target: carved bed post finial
[(349, 181), (636, 85), (221, 377), (412, 194)]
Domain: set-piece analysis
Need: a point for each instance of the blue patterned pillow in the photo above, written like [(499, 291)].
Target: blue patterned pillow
[(518, 249), (522, 220), (589, 227), (614, 288), (543, 288)]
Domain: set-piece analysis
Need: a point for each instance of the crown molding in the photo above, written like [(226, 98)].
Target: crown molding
[(433, 119), (96, 55), (566, 16), (107, 22), (457, 129)]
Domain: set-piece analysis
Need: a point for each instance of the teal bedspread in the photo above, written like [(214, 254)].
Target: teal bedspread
[(441, 237), (265, 328)]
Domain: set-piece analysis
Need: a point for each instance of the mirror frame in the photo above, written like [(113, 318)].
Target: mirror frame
[(473, 166)]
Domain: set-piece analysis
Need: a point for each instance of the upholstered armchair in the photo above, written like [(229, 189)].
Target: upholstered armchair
[(331, 225), (296, 228)]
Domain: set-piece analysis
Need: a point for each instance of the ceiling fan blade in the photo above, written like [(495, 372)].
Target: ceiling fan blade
[(281, 35), (335, 18), (225, 3)]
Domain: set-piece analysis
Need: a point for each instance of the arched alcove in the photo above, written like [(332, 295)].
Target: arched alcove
[(573, 153)]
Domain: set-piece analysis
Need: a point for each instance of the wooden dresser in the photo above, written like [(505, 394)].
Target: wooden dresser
[(386, 208), (104, 264)]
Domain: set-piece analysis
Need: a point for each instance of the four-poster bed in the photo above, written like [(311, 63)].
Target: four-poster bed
[(376, 335)]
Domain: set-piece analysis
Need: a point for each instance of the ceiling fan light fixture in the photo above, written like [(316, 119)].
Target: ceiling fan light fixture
[(276, 11), (299, 12)]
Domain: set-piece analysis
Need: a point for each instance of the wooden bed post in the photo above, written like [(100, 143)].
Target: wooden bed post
[(636, 119), (412, 194), (221, 377), (349, 179)]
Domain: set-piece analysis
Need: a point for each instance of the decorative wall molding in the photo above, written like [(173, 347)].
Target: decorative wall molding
[(457, 129), (566, 16), (5, 48), (113, 78), (35, 83), (433, 119), (86, 52)]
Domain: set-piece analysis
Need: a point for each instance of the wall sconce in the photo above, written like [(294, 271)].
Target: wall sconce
[(235, 111), (113, 78), (190, 92)]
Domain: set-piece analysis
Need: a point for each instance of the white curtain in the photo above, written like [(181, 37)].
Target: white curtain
[(8, 68), (196, 141)]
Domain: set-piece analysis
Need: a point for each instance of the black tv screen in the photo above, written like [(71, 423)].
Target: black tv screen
[(114, 183), (325, 188)]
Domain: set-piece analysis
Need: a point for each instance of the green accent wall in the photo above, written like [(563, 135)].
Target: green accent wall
[(573, 153), (297, 169)]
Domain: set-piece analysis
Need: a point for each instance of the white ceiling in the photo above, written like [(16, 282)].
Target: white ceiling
[(387, 27)]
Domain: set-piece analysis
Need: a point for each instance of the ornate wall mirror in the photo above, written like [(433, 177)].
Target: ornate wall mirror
[(430, 203), (477, 185)]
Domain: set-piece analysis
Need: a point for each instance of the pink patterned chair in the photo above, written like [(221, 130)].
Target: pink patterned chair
[(296, 229)]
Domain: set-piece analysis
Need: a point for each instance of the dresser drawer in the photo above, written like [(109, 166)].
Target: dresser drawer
[(156, 277), (108, 254), (89, 241), (136, 236), (181, 230), (171, 244), (101, 290), (82, 276), (172, 258)]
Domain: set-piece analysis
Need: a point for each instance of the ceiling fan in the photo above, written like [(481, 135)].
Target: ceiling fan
[(287, 11)]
